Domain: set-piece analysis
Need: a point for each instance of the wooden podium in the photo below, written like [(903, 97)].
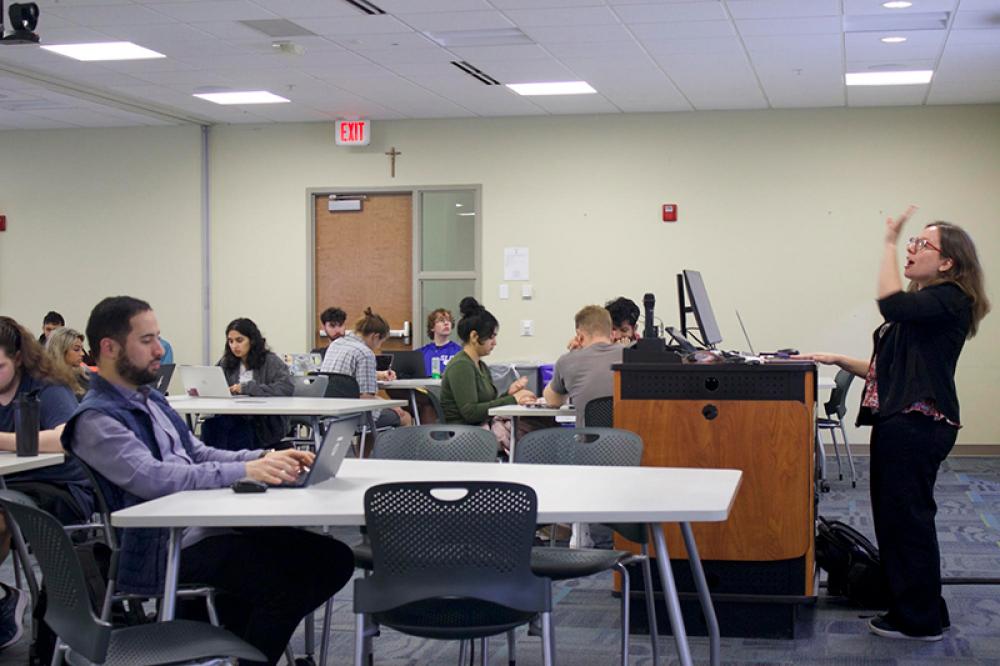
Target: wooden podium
[(755, 418)]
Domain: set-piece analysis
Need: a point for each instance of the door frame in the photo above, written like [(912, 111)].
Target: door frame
[(417, 275)]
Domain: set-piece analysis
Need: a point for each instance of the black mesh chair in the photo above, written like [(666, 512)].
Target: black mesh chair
[(456, 443), (346, 386), (836, 409), (86, 637), (111, 594), (452, 561), (596, 447), (599, 413)]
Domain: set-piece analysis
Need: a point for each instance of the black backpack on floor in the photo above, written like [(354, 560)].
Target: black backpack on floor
[(852, 565)]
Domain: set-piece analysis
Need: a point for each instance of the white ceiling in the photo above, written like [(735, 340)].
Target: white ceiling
[(640, 55)]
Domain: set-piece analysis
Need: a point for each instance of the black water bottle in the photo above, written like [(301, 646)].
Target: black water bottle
[(27, 408)]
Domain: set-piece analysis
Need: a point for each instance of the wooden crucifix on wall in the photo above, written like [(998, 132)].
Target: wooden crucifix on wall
[(392, 153)]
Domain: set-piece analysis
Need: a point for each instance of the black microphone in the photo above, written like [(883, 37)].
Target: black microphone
[(648, 301)]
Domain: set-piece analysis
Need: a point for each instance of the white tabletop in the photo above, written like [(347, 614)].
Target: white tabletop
[(523, 410), (285, 406), (565, 494), (11, 464), (410, 383)]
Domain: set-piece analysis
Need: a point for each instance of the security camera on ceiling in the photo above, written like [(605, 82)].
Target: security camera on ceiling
[(23, 21)]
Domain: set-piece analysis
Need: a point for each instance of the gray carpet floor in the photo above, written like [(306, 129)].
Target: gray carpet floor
[(831, 632)]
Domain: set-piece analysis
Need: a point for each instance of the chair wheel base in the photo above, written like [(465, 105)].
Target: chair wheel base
[(824, 487)]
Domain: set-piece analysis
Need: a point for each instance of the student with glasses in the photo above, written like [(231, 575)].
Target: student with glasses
[(911, 403)]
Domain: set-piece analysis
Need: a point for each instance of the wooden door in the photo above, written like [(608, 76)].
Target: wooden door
[(365, 259)]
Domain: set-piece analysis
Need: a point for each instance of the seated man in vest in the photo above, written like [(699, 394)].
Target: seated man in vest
[(140, 449)]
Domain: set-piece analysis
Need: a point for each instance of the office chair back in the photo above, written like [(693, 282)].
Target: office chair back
[(580, 446), (599, 413), (341, 386), (69, 611), (437, 442), (438, 546), (837, 404), (309, 386), (586, 446)]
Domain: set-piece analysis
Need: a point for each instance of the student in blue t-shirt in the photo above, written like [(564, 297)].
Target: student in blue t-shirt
[(439, 323)]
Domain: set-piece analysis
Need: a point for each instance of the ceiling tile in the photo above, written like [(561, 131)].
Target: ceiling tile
[(476, 54), (967, 20), (651, 33), (403, 7), (973, 37), (886, 95), (556, 17), (575, 104), (813, 25), (984, 92), (98, 16), (354, 25), (384, 41), (745, 9), (440, 21), (214, 10), (860, 7), (579, 34), (661, 13)]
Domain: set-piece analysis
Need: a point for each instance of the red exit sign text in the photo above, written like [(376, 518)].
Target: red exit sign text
[(354, 132)]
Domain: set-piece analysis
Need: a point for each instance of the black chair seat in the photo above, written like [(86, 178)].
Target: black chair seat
[(175, 642), (567, 563), (453, 618), (363, 556), (831, 423)]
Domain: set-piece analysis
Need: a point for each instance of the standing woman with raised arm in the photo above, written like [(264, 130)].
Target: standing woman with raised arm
[(910, 401)]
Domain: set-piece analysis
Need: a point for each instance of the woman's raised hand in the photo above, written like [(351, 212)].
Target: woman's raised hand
[(894, 226)]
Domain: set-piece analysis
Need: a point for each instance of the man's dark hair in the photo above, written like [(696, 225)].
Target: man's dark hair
[(476, 318), (623, 310), (53, 317), (333, 316), (111, 318)]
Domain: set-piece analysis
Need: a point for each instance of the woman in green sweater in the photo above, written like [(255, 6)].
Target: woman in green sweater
[(467, 389)]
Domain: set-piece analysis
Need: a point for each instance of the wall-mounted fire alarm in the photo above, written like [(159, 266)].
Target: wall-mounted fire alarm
[(669, 212)]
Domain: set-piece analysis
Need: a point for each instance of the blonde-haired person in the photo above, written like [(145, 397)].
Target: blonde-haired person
[(354, 354), (65, 345), (910, 400), (441, 346), (585, 373)]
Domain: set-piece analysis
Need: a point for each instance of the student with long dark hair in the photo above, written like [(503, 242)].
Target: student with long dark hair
[(467, 389), (911, 403), (251, 369)]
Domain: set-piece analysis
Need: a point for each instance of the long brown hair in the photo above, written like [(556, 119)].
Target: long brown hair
[(15, 338), (966, 271)]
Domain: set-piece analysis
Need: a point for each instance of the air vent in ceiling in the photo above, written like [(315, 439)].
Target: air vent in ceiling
[(494, 37), (369, 8), (475, 73), (278, 28), (896, 23)]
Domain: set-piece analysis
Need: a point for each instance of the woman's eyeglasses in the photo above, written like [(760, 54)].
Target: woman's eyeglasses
[(919, 244)]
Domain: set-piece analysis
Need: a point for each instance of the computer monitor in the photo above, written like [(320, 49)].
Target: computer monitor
[(701, 307)]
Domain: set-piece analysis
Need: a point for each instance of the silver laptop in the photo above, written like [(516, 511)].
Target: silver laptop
[(332, 450), (204, 381)]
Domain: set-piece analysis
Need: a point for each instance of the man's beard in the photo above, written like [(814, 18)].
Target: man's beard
[(132, 373)]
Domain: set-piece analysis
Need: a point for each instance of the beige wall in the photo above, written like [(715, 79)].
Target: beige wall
[(94, 213), (781, 211)]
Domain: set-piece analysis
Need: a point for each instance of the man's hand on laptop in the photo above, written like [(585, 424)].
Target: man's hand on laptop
[(280, 466)]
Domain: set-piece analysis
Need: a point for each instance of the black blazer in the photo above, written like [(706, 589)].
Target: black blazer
[(915, 356)]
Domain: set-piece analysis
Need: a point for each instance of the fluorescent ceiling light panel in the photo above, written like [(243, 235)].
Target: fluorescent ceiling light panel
[(893, 40), (904, 78), (897, 4), (553, 88), (104, 51), (243, 97)]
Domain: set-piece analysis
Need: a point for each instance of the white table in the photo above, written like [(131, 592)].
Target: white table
[(312, 408), (11, 463), (412, 386), (517, 411), (565, 494)]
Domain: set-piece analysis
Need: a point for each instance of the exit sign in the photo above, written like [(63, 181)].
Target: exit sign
[(354, 132)]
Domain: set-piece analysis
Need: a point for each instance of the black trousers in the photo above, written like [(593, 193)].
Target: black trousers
[(268, 579), (906, 452)]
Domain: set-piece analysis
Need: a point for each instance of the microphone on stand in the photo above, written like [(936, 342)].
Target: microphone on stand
[(648, 301)]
